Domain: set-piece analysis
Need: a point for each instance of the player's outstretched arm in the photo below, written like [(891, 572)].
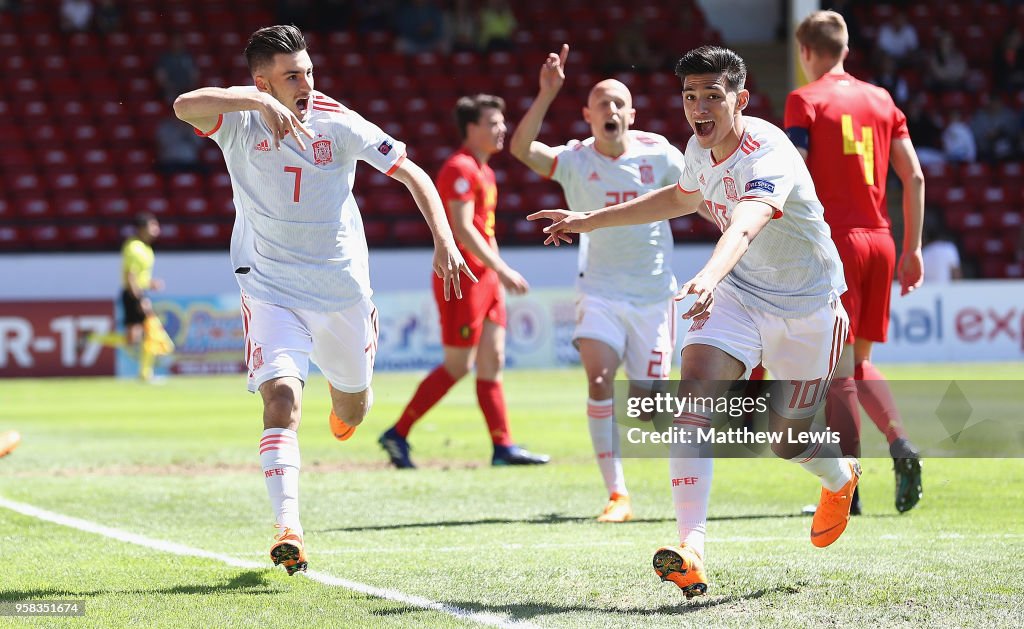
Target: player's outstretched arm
[(467, 235), (657, 205), (747, 221), (524, 145), (904, 161), (448, 262), (200, 108)]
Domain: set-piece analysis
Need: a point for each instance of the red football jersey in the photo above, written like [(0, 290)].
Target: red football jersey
[(462, 178), (850, 126)]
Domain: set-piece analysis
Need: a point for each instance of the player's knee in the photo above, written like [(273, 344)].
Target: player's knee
[(785, 450), (600, 387), (457, 369), (280, 410)]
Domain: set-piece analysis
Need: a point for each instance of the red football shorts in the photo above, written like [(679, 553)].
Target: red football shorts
[(869, 259), (462, 320)]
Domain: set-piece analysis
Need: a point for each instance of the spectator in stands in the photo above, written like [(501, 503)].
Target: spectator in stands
[(177, 148), (497, 25), (995, 129), (631, 50), (898, 39), (1008, 65), (947, 66), (941, 258), (463, 26), (925, 130), (176, 71), (888, 77), (108, 17), (75, 15), (419, 27), (957, 140)]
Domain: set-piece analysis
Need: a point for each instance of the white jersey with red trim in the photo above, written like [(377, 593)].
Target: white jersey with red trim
[(298, 237), (631, 263), (792, 267)]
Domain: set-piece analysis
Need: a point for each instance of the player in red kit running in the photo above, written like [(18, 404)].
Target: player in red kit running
[(849, 132), (472, 331)]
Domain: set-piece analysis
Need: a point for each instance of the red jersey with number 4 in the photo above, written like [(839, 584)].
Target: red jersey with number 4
[(464, 179), (849, 126)]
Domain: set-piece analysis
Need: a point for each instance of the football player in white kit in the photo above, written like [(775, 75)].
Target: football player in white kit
[(769, 293), (298, 248), (625, 312)]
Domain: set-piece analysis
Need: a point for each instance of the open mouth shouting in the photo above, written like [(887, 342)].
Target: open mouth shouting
[(302, 105), (704, 128)]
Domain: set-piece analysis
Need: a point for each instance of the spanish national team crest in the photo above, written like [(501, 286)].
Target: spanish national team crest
[(646, 174), (322, 152), (730, 188)]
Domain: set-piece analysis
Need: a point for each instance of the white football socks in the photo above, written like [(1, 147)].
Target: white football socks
[(690, 476), (604, 435), (827, 463), (279, 458)]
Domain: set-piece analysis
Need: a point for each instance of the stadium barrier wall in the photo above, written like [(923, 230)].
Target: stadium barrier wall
[(47, 309)]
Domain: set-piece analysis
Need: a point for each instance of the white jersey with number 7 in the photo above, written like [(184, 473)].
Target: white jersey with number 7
[(298, 237)]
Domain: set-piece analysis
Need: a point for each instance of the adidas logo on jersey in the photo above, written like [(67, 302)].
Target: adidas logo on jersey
[(594, 177), (263, 146)]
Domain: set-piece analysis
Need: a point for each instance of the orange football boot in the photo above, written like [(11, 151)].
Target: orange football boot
[(9, 440), (684, 567), (618, 509), (288, 551), (833, 512)]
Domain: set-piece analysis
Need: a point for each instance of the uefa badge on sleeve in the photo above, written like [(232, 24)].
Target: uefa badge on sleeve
[(322, 152)]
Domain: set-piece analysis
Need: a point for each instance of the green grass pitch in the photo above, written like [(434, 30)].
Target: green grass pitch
[(178, 463)]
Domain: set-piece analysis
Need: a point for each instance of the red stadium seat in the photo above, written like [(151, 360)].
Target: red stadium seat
[(12, 238), (45, 237), (73, 207), (114, 207), (411, 232)]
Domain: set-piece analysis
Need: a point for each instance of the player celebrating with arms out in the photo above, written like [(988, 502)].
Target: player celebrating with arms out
[(472, 329), (824, 119), (625, 311), (299, 251), (769, 294)]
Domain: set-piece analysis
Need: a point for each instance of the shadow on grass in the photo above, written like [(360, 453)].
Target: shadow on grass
[(549, 518), (526, 611), (249, 582)]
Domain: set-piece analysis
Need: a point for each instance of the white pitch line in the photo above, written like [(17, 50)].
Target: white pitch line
[(493, 620)]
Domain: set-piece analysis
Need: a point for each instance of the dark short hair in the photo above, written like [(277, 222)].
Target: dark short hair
[(825, 33), (142, 219), (714, 60), (270, 41), (469, 108)]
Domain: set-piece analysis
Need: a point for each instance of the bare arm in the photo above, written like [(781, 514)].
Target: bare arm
[(657, 205), (747, 221), (904, 161), (448, 262), (524, 145), (201, 108), (469, 237)]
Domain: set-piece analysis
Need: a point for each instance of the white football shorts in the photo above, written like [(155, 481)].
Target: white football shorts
[(801, 353), (643, 336), (281, 341)]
